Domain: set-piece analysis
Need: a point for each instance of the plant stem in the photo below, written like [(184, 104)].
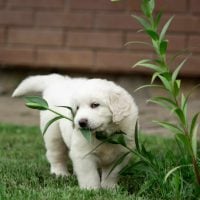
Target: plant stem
[(196, 169), (60, 114)]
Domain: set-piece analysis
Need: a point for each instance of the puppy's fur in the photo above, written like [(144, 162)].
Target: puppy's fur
[(99, 105)]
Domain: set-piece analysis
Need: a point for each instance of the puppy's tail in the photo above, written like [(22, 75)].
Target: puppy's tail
[(36, 84)]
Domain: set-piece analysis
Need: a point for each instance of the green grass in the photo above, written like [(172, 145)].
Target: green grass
[(24, 172)]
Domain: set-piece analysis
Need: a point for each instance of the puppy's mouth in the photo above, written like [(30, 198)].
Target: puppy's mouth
[(96, 129)]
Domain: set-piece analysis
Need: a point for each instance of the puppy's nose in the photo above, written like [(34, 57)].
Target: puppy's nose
[(83, 123)]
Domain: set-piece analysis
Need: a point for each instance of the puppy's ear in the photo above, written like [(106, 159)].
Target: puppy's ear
[(120, 105)]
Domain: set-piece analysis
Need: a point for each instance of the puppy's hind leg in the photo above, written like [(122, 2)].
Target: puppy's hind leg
[(56, 150)]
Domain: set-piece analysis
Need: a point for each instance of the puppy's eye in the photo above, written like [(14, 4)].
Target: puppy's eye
[(77, 107), (94, 105)]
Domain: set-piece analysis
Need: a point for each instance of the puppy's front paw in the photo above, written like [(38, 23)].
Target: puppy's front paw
[(60, 173), (90, 187), (108, 184), (59, 170), (89, 183)]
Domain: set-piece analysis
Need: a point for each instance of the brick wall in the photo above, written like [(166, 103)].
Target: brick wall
[(89, 35)]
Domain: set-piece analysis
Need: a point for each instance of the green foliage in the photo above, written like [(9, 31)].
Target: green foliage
[(51, 122), (115, 138), (25, 172), (87, 134), (35, 102), (175, 101)]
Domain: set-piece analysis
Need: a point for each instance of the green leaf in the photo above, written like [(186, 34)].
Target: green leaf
[(164, 30), (194, 140), (155, 75), (181, 147), (69, 108), (159, 103), (176, 88), (163, 47), (137, 42), (151, 5), (116, 138), (154, 36), (173, 170), (147, 7), (96, 147), (142, 63), (180, 115), (172, 127), (155, 46), (175, 73), (184, 104), (117, 162), (137, 168), (194, 123), (36, 102), (51, 122), (178, 83), (157, 19), (193, 133), (87, 134), (146, 86), (167, 75), (176, 182), (185, 141), (101, 136), (165, 102), (142, 21), (165, 82), (113, 139), (148, 157), (160, 62), (137, 143)]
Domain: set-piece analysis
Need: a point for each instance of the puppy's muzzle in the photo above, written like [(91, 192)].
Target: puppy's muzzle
[(83, 123)]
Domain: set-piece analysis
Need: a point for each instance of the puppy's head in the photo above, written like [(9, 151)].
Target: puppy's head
[(101, 103), (92, 111)]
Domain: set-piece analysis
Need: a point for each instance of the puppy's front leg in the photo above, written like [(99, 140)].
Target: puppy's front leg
[(86, 171), (109, 179), (110, 176)]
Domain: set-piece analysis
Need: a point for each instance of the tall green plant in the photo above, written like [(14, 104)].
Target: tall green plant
[(175, 101)]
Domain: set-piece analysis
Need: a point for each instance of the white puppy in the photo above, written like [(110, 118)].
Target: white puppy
[(100, 105)]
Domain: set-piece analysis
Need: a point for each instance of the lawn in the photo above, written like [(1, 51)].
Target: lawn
[(24, 172)]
